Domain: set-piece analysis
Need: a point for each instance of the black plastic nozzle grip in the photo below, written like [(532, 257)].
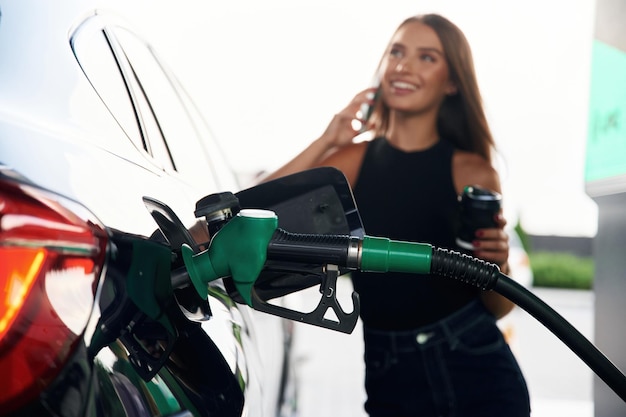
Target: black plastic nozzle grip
[(309, 248)]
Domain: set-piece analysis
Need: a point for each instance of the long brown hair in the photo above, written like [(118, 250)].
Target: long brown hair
[(461, 118)]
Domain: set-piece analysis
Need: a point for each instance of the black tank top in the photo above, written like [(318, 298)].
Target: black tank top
[(408, 196)]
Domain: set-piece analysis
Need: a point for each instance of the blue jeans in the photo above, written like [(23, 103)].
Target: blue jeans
[(460, 366)]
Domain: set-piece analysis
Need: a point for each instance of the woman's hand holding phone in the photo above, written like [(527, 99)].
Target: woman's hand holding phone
[(341, 130)]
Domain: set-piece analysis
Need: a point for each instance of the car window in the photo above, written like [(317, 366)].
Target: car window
[(149, 104), (178, 129), (155, 143), (92, 49)]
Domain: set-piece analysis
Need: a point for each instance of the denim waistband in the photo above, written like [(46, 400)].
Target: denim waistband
[(443, 330)]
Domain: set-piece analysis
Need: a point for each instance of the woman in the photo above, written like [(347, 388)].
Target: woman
[(432, 347)]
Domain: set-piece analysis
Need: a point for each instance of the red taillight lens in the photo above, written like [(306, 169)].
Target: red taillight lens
[(20, 273), (51, 254)]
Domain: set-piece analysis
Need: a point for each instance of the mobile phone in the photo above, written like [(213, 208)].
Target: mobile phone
[(367, 109)]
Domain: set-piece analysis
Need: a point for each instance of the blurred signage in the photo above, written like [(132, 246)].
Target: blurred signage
[(606, 140)]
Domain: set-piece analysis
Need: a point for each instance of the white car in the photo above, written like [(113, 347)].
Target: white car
[(91, 122)]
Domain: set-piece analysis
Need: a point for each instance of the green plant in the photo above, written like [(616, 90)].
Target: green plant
[(523, 236), (561, 270)]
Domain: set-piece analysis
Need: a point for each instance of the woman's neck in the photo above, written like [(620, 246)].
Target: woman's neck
[(413, 132)]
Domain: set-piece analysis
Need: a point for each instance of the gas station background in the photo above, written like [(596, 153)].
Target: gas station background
[(269, 75)]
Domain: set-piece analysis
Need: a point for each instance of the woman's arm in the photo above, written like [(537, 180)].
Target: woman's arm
[(310, 157), (324, 151)]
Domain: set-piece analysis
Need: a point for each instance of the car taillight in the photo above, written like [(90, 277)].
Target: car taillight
[(51, 254)]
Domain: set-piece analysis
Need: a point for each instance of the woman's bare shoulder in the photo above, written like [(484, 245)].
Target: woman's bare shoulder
[(348, 160), (469, 168)]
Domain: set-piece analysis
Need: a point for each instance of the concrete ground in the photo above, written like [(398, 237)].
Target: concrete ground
[(331, 369)]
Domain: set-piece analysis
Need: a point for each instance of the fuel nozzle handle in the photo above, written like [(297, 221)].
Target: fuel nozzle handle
[(241, 248), (340, 250)]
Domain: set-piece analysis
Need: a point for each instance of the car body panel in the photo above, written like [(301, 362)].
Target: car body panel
[(60, 131)]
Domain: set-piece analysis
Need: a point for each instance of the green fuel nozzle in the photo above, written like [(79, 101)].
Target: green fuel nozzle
[(241, 248)]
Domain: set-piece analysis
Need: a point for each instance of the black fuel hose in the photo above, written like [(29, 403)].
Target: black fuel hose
[(562, 329), (487, 276)]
